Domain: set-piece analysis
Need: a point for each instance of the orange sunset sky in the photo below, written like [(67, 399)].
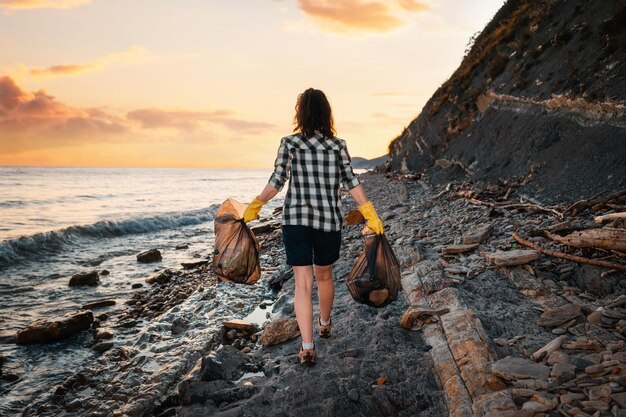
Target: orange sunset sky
[(213, 83)]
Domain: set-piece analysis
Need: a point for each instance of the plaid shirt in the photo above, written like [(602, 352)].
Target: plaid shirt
[(317, 167)]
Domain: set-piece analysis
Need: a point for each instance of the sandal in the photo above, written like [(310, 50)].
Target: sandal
[(307, 357), (324, 331)]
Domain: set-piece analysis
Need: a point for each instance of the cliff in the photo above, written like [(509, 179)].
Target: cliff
[(540, 95)]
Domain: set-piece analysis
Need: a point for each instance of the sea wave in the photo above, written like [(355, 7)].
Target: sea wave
[(41, 244)]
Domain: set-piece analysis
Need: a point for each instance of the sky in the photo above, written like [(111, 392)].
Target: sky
[(213, 83)]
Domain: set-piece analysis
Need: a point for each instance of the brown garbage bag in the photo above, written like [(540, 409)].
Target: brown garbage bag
[(375, 276), (236, 251)]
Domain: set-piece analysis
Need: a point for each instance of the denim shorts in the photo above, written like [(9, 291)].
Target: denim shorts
[(305, 245)]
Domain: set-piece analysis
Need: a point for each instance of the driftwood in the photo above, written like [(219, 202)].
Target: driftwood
[(511, 257), (607, 238), (521, 206), (595, 201), (578, 259), (609, 217), (549, 348)]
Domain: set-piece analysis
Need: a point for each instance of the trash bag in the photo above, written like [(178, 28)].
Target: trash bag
[(375, 276), (236, 251)]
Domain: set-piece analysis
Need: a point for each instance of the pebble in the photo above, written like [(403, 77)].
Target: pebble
[(594, 369), (353, 394)]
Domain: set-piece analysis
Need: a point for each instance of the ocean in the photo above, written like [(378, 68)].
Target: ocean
[(55, 222)]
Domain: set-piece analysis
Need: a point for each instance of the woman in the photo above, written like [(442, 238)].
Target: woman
[(317, 163)]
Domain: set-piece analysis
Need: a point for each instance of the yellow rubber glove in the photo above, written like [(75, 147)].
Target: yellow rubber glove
[(252, 211), (373, 221)]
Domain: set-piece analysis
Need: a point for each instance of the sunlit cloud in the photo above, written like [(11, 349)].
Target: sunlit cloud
[(42, 4), (357, 16), (131, 56), (37, 120), (193, 120)]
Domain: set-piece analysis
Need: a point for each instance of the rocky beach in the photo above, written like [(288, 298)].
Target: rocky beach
[(484, 325)]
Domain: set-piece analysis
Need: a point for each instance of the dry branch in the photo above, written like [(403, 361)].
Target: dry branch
[(609, 217), (578, 259), (523, 206), (594, 201), (608, 238)]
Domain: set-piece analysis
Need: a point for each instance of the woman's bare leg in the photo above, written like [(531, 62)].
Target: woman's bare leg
[(302, 302), (325, 290)]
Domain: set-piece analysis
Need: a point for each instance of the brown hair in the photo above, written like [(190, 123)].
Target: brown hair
[(313, 113)]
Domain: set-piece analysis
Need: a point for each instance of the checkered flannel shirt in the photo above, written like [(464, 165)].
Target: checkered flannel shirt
[(318, 167)]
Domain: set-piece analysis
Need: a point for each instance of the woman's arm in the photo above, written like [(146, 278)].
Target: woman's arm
[(268, 193), (358, 193)]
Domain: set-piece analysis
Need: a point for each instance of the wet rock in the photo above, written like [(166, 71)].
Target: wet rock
[(238, 325), (353, 394), (588, 279), (512, 257), (103, 347), (279, 330), (136, 285), (84, 278), (620, 399), (103, 333), (264, 228), (559, 315), (193, 264), (104, 272), (179, 325), (511, 368), (50, 330), (181, 246), (151, 255), (478, 234), (8, 377), (558, 357), (161, 277), (74, 405), (98, 304), (526, 283)]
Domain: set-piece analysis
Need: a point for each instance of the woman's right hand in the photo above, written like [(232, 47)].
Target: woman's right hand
[(373, 221), (252, 211)]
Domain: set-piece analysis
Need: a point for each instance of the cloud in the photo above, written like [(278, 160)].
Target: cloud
[(355, 16), (37, 120), (133, 55), (192, 120), (42, 4)]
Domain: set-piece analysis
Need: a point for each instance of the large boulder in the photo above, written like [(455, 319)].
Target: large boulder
[(151, 255), (50, 330), (85, 278)]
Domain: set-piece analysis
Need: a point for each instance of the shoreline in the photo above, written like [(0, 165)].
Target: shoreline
[(371, 364)]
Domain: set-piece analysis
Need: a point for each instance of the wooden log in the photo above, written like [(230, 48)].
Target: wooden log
[(606, 238), (452, 249), (512, 257), (609, 217), (578, 259), (550, 347)]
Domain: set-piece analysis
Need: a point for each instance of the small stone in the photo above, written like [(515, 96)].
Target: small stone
[(73, 405), (563, 372), (512, 257), (104, 272), (600, 392), (231, 334), (382, 380), (238, 325), (594, 369), (559, 315), (511, 368), (84, 278), (559, 330), (353, 395), (595, 405), (534, 406), (620, 399), (50, 330), (452, 249), (278, 331), (349, 353), (181, 246), (151, 255), (136, 285), (595, 317), (6, 377), (558, 357), (478, 234), (621, 380), (103, 333), (103, 347)]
